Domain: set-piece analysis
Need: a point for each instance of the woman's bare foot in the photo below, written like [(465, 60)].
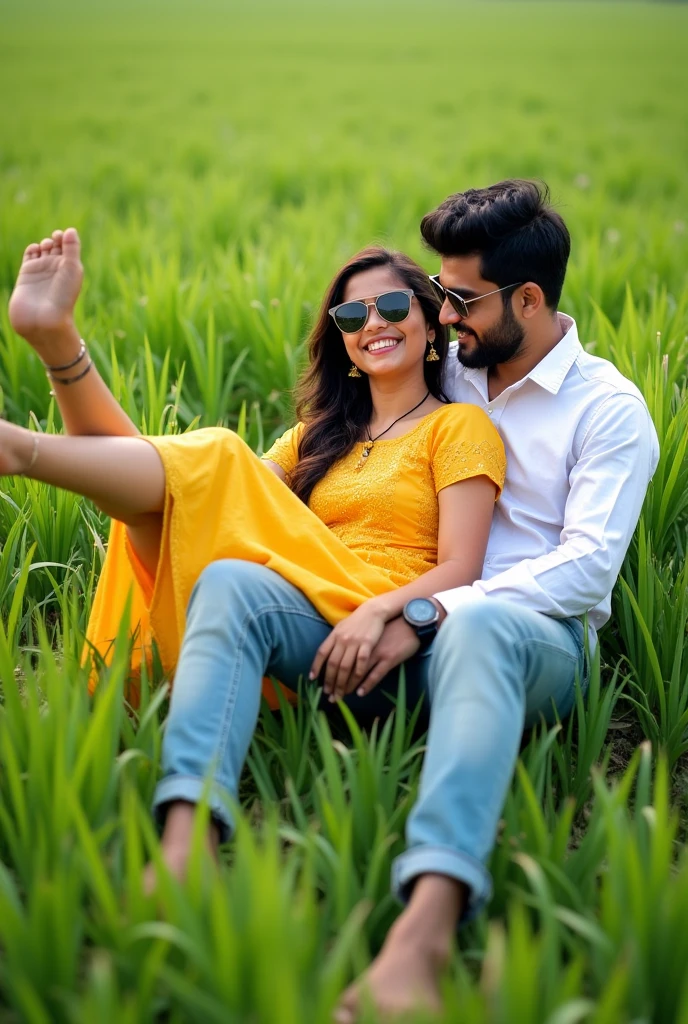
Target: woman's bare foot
[(176, 843), (405, 977), (41, 306)]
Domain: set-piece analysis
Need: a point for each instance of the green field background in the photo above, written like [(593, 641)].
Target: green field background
[(220, 161)]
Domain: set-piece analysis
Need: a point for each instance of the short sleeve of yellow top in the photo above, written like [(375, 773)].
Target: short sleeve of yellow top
[(364, 532)]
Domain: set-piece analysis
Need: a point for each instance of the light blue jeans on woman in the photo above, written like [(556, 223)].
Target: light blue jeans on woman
[(493, 669)]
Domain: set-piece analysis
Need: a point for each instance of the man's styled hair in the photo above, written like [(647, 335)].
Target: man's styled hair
[(512, 227)]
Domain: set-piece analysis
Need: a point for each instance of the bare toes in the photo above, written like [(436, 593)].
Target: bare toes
[(46, 246), (71, 245), (347, 1007), (32, 251)]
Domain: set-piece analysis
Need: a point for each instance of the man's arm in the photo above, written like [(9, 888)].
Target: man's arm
[(618, 456)]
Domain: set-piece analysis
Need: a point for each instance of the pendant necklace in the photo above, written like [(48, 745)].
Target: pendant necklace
[(368, 445)]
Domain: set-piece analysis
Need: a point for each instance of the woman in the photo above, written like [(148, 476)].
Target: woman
[(382, 493)]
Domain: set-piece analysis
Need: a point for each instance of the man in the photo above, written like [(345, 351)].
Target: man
[(581, 450)]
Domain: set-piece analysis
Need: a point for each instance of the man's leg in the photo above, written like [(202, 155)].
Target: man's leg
[(495, 668)]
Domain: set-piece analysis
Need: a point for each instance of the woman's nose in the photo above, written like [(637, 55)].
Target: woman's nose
[(375, 321)]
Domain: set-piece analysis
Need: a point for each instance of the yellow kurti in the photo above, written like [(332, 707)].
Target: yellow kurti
[(364, 532)]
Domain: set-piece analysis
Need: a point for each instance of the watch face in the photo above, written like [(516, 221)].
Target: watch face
[(420, 610)]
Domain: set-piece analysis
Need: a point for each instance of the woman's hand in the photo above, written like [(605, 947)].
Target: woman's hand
[(42, 304), (345, 654), (399, 642)]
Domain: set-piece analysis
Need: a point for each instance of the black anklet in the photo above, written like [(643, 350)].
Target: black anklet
[(68, 366)]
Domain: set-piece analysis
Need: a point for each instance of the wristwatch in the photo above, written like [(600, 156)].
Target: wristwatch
[(423, 616)]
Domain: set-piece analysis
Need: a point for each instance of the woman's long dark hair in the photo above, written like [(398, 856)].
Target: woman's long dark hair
[(335, 407)]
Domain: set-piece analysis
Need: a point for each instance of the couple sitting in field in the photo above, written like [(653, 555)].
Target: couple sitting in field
[(380, 530)]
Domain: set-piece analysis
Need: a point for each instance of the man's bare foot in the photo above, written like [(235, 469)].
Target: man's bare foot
[(41, 307), (404, 978)]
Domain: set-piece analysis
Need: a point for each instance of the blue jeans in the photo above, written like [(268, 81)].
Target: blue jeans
[(493, 669)]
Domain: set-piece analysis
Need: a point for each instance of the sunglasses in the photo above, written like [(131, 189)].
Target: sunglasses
[(457, 301), (393, 307)]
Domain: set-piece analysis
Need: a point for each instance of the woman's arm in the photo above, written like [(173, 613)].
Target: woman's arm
[(277, 470), (465, 517)]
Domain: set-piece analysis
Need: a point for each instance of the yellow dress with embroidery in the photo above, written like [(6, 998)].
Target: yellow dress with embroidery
[(364, 532)]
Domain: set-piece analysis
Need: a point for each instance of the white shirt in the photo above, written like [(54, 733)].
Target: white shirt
[(581, 449)]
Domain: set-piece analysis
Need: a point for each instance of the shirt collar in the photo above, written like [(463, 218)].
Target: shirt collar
[(551, 371)]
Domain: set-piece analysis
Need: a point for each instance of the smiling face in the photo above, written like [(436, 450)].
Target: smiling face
[(382, 349), (492, 334)]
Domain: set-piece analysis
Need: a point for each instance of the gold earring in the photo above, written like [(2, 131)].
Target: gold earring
[(354, 371), (432, 356)]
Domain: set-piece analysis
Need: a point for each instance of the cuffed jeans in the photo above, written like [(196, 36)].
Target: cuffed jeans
[(493, 669)]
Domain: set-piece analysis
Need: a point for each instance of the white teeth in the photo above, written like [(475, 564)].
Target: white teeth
[(376, 346)]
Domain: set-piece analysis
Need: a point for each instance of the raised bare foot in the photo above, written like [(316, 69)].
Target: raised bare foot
[(403, 979), (42, 304)]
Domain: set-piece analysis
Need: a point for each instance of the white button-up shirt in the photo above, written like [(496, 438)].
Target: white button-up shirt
[(581, 449)]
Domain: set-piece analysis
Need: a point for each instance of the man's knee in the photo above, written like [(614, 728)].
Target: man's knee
[(477, 645), (479, 622)]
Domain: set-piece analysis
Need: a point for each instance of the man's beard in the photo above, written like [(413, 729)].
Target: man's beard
[(496, 345)]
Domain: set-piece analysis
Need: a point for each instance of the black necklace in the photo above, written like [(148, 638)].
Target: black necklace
[(368, 445)]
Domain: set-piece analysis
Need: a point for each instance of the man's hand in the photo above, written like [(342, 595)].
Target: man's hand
[(398, 643)]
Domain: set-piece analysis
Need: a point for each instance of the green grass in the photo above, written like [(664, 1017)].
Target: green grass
[(220, 162)]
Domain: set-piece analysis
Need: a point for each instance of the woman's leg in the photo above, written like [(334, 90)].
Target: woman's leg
[(243, 622), (124, 476), (42, 311)]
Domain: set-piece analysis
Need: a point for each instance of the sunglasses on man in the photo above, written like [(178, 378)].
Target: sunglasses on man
[(457, 302)]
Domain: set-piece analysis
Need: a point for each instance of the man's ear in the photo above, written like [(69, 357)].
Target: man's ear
[(531, 299)]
